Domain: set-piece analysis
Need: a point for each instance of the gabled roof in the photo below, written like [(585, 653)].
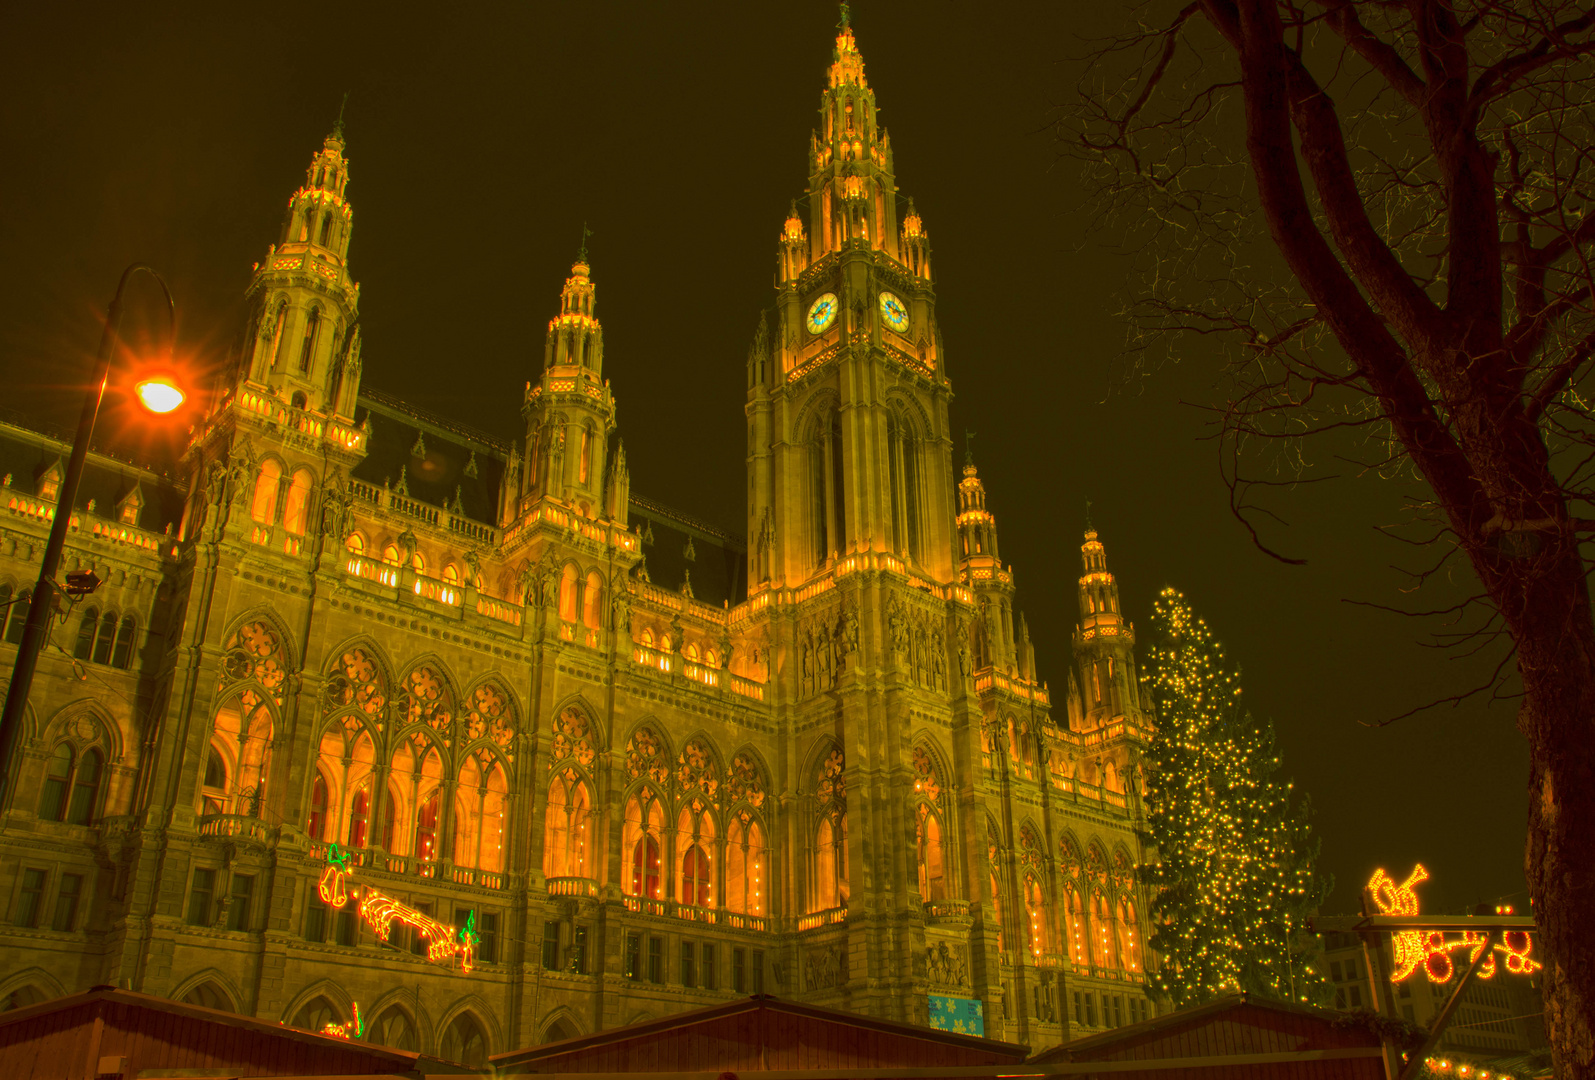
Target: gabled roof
[(1250, 1025), (53, 1039), (756, 1034)]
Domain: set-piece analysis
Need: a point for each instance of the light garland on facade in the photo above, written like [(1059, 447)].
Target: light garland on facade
[(380, 911), (354, 1029), (1431, 949)]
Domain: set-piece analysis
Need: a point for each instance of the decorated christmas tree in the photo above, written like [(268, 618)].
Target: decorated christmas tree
[(1234, 881)]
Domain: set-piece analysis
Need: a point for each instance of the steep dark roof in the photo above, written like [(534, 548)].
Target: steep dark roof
[(759, 1033), (27, 454), (719, 563), (444, 467)]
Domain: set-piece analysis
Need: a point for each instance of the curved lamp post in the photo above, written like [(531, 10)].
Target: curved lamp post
[(159, 393)]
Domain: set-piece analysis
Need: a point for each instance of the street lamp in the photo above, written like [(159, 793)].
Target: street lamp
[(157, 392)]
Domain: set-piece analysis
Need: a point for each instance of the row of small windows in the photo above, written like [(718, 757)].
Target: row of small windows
[(698, 966), (449, 575), (30, 909), (102, 640)]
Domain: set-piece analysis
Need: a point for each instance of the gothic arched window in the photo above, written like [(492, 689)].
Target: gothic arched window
[(1101, 931), (57, 784), (932, 863), (126, 636), (644, 824), (263, 506), (1129, 947), (242, 735), (1074, 913), (318, 808), (296, 508), (567, 593), (480, 802), (744, 891), (1036, 913), (593, 600), (106, 639), (464, 1042), (360, 817), (308, 348), (694, 841), (565, 826)]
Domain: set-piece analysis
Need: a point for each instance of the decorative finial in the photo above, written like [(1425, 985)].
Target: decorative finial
[(581, 256), (1088, 526), (337, 128), (846, 18), (969, 450)]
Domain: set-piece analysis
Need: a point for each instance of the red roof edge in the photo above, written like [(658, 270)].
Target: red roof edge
[(1063, 1054), (404, 1060), (693, 1017)]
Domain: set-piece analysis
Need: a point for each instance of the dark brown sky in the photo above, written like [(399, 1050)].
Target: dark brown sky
[(481, 137)]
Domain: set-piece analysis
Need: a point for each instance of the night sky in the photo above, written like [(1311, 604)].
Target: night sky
[(480, 140)]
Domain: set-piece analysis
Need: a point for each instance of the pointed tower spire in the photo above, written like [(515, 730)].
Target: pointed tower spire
[(306, 345), (1104, 643), (570, 412)]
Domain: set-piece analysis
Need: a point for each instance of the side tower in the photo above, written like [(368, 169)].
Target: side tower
[(572, 454), (305, 348)]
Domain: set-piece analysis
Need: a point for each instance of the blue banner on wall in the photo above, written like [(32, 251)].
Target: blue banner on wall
[(966, 1016)]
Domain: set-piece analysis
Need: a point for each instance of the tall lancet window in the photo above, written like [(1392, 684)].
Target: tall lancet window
[(828, 510), (308, 349), (902, 453)]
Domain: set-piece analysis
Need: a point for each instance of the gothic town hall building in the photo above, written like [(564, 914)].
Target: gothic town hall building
[(652, 766)]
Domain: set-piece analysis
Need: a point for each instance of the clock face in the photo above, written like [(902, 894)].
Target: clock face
[(822, 313), (893, 311)]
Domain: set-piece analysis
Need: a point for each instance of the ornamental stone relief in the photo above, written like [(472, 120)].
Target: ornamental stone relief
[(825, 967), (947, 965)]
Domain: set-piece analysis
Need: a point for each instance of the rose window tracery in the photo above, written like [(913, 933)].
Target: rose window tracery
[(1069, 857), (254, 651), (489, 715), (1030, 848), (645, 756), (832, 788), (744, 781), (695, 770), (356, 682), (426, 699), (572, 739)]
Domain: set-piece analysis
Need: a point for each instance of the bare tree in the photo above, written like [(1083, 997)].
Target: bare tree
[(1386, 207)]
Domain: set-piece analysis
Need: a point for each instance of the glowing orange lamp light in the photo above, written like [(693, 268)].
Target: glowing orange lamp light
[(159, 393)]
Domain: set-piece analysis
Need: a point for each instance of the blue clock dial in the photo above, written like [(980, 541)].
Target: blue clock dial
[(893, 311), (822, 313)]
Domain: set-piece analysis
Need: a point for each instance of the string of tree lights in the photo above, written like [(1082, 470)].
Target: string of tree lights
[(1235, 878)]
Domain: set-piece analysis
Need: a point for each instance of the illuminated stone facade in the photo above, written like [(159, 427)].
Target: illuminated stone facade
[(663, 767)]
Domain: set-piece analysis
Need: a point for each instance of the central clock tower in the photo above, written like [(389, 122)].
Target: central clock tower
[(848, 446)]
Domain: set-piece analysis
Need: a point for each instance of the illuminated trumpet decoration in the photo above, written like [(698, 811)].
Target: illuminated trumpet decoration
[(1431, 949), (380, 911), (354, 1029)]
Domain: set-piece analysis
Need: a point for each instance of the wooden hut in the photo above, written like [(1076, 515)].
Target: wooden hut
[(761, 1034), (1235, 1036), (110, 1034)]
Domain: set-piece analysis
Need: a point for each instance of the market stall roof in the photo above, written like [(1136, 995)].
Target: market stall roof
[(105, 1033), (1269, 1039), (757, 1034)]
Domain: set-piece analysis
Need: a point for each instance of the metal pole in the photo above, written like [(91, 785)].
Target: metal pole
[(43, 603)]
